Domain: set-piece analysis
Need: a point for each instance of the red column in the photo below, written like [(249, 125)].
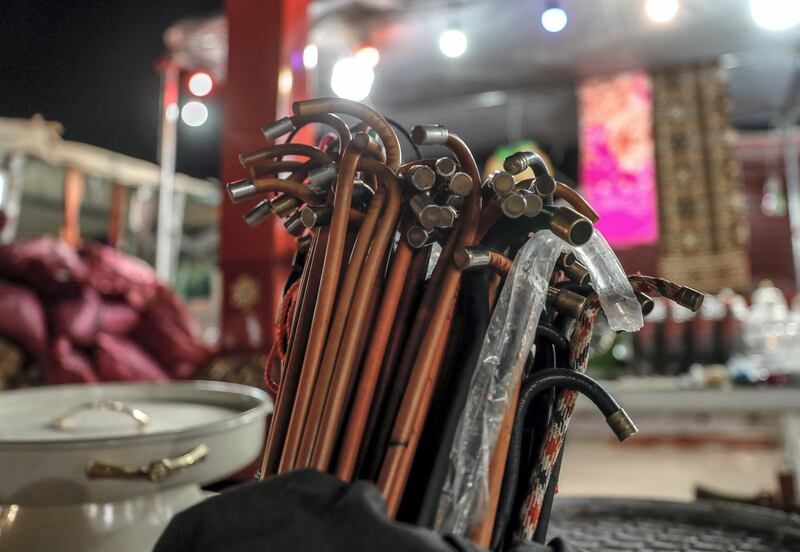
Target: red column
[(264, 39)]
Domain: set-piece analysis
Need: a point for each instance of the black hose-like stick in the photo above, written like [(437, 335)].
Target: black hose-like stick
[(564, 378)]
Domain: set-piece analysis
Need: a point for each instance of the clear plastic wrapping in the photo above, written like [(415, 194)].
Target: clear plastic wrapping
[(508, 341), (611, 284)]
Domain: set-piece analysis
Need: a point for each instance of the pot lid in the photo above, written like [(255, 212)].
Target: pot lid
[(62, 414)]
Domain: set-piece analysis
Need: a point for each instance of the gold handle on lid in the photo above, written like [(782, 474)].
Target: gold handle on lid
[(156, 471), (63, 421)]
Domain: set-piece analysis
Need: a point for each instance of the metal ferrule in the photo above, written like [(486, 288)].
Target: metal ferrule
[(426, 211), (515, 163), (460, 184), (513, 205), (362, 195), (521, 160), (322, 177), (622, 425), (445, 167), (258, 213), (454, 201), (533, 203), (471, 257), (360, 140), (421, 177), (501, 182), (645, 302), (566, 259), (366, 143), (571, 226), (294, 225), (241, 190), (577, 273), (427, 135), (567, 302), (284, 205), (545, 186), (320, 189), (316, 215), (689, 298), (447, 217), (417, 237), (278, 128)]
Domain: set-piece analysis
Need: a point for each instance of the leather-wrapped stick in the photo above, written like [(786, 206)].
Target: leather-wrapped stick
[(347, 361), (248, 188), (331, 269), (350, 287), (576, 201), (286, 392), (277, 151), (394, 374), (429, 324), (384, 130)]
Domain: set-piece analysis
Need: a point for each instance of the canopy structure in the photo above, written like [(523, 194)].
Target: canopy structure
[(42, 139)]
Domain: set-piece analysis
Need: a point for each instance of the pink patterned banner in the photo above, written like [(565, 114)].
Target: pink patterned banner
[(617, 165)]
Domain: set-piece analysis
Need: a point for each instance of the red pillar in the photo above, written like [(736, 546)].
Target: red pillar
[(266, 39)]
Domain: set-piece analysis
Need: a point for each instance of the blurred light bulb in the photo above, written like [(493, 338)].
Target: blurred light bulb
[(200, 84), (661, 11), (285, 80), (369, 55), (171, 112), (194, 114), (775, 15), (352, 79), (554, 19), (310, 56), (453, 43)]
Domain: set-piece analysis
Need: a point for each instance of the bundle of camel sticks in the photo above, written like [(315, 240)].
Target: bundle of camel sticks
[(435, 328)]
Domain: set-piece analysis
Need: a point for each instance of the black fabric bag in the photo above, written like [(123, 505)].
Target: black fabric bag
[(304, 510)]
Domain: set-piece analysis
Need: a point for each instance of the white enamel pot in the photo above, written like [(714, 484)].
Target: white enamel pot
[(102, 467)]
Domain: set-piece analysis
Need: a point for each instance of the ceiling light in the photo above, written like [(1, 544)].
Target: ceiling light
[(352, 79), (453, 43), (200, 84), (310, 56), (369, 55), (194, 114), (661, 11), (775, 15), (554, 18)]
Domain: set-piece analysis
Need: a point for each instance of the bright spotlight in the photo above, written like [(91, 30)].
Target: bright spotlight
[(661, 11), (310, 56), (775, 15), (194, 114), (352, 79), (200, 84), (453, 43), (554, 19), (369, 55)]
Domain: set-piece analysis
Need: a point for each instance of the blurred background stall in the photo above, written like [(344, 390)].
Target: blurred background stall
[(677, 119)]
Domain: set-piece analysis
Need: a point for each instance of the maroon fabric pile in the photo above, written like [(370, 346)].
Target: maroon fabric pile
[(94, 315)]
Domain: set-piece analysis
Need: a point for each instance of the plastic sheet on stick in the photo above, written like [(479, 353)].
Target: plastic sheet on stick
[(505, 349), (611, 284)]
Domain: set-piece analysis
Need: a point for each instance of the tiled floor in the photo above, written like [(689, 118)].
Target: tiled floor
[(601, 468)]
